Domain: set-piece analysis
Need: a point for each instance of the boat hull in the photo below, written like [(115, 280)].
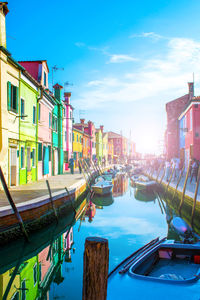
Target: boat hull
[(102, 190)]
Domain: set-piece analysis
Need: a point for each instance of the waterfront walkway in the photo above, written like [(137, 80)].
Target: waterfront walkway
[(30, 191), (190, 187)]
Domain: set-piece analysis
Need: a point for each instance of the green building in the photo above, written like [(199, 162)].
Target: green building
[(99, 144), (57, 133), (28, 95)]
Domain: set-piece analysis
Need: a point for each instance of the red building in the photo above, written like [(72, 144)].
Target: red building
[(174, 109), (190, 131)]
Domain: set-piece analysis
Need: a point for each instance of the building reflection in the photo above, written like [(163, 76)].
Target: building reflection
[(120, 185)]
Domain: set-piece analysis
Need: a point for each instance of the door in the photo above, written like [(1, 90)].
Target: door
[(13, 166), (55, 153)]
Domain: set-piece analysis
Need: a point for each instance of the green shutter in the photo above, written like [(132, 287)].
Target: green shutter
[(17, 99), (8, 95), (39, 151)]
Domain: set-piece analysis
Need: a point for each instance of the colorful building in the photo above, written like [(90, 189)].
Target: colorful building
[(99, 144), (110, 151), (117, 145), (77, 145), (67, 129), (189, 126), (105, 147), (29, 94), (39, 71), (57, 136), (86, 146), (174, 109)]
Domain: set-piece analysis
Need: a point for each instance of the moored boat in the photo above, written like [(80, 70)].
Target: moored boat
[(143, 182), (102, 187), (162, 269)]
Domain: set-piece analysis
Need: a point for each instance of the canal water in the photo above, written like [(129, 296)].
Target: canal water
[(51, 266)]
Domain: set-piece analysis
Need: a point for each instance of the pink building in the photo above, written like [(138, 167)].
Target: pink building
[(67, 129), (190, 131), (174, 108), (117, 141)]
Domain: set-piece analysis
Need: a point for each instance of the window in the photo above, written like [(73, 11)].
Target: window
[(22, 109), (40, 272), (65, 136), (65, 156), (33, 158), (39, 112), (23, 287), (50, 120), (70, 115), (196, 105), (45, 79), (22, 157), (15, 296), (35, 274), (49, 152), (196, 134), (12, 97), (34, 115), (64, 112), (190, 119), (56, 124), (39, 151)]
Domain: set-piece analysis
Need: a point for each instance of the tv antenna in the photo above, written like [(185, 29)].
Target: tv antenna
[(67, 83), (54, 69)]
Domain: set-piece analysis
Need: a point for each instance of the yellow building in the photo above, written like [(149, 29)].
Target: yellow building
[(105, 147), (9, 108), (77, 145), (14, 289)]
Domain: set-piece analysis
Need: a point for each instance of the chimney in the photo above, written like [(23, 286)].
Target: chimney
[(67, 97), (101, 128), (82, 121), (3, 12), (191, 90), (58, 89)]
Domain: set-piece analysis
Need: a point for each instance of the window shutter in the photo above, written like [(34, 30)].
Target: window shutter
[(8, 95), (17, 99)]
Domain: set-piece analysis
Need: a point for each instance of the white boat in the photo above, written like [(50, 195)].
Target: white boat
[(102, 187), (143, 182)]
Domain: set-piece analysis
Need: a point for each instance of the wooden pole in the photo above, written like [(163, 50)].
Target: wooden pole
[(184, 187), (158, 172), (86, 180), (9, 197), (96, 257), (179, 179), (51, 200), (97, 172), (195, 196), (161, 179), (170, 178)]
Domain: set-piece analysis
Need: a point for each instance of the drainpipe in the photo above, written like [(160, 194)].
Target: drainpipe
[(38, 100)]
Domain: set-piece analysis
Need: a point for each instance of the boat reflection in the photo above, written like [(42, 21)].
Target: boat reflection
[(101, 201), (144, 195)]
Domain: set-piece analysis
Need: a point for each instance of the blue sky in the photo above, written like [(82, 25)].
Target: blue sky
[(126, 59)]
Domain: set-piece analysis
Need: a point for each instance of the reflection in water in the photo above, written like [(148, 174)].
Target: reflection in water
[(143, 195), (50, 261), (120, 185), (101, 201)]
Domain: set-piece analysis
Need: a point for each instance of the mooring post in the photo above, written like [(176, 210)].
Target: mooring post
[(95, 272), (195, 196), (51, 200), (184, 187), (170, 179), (9, 197), (179, 179), (159, 169), (95, 169), (163, 175), (86, 180)]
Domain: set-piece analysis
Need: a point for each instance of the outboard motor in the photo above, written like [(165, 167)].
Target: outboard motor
[(183, 229)]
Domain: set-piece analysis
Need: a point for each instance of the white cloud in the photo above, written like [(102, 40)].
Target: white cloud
[(154, 78), (151, 35), (121, 58), (80, 44)]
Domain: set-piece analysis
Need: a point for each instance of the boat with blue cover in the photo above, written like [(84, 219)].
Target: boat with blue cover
[(162, 269)]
